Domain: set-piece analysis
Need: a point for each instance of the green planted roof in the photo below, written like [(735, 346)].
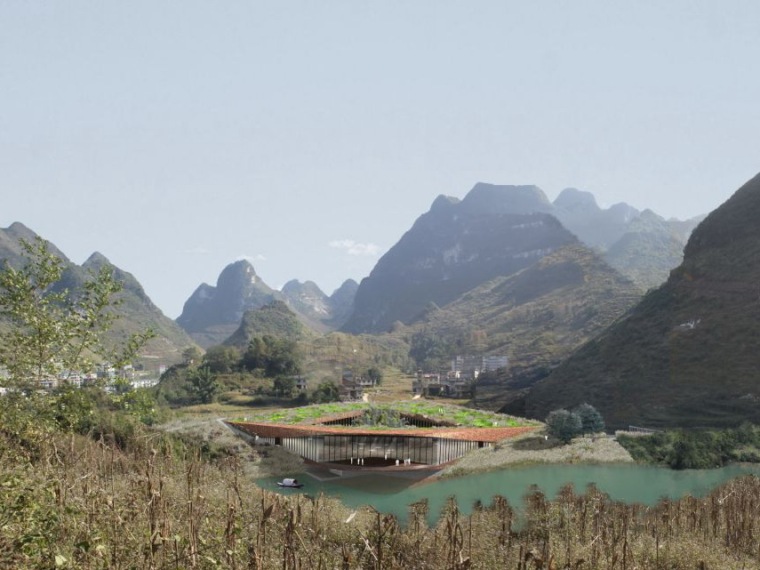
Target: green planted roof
[(458, 415)]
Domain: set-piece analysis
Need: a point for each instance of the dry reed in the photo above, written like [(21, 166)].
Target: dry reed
[(161, 505)]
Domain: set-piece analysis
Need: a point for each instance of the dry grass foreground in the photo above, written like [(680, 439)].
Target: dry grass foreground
[(77, 503)]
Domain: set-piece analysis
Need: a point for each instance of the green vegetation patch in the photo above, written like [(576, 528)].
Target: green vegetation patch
[(435, 411), (695, 449)]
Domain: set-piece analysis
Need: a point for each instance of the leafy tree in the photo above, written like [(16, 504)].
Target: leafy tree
[(73, 408), (284, 386), (563, 425), (191, 355), (326, 392), (53, 330), (375, 375), (203, 384), (591, 419), (272, 356), (49, 331), (429, 351), (173, 388), (256, 355), (139, 403), (746, 434), (685, 453), (122, 386), (221, 359), (284, 359), (373, 416)]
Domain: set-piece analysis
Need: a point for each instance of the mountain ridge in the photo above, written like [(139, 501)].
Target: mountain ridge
[(686, 355), (630, 246), (136, 311), (447, 252), (213, 313)]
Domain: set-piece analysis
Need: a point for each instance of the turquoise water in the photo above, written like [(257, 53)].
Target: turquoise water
[(629, 483)]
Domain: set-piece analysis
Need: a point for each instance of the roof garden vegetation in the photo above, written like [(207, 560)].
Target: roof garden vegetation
[(436, 411)]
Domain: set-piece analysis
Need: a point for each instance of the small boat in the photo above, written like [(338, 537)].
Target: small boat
[(290, 483)]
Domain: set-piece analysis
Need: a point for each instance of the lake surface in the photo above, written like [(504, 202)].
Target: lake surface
[(629, 483)]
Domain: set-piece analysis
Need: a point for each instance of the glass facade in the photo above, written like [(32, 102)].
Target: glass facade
[(342, 448), (346, 448)]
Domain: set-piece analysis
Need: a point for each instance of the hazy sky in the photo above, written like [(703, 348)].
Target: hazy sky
[(176, 137)]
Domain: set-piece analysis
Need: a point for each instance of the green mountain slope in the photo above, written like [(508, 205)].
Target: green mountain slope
[(213, 313), (138, 313), (689, 353), (535, 317), (274, 319)]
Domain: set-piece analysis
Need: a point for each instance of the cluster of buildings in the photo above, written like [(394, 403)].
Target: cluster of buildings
[(459, 381), (104, 374), (352, 387)]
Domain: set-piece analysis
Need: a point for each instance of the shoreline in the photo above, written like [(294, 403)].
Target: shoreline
[(532, 449), (260, 462)]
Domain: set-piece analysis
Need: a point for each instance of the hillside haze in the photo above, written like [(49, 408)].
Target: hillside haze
[(640, 244), (494, 231), (649, 249), (596, 227), (689, 353), (499, 230), (213, 313), (315, 308), (454, 247)]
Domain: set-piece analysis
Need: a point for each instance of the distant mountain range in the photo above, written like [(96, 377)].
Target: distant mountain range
[(649, 249), (502, 264), (458, 246), (641, 245), (496, 231), (689, 353), (453, 248), (316, 309), (558, 287), (212, 314), (10, 245), (136, 311)]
